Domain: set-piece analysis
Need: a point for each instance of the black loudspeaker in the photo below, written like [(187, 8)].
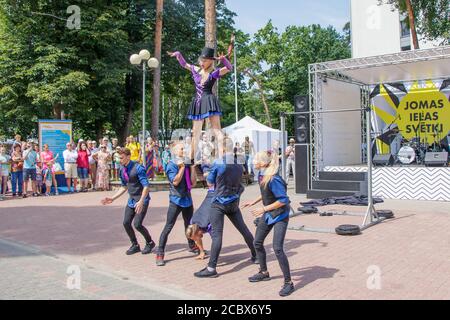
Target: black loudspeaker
[(383, 160), (301, 168), (436, 159), (301, 104)]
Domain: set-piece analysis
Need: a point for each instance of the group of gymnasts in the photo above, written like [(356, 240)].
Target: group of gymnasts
[(223, 176)]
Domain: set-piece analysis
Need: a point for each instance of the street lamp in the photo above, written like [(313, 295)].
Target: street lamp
[(144, 59)]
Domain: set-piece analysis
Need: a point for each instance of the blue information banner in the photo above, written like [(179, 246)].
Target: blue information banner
[(55, 133)]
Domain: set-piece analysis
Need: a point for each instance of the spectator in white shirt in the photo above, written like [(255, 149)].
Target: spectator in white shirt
[(70, 167), (290, 159)]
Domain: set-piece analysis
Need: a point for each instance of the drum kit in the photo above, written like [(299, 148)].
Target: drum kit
[(414, 150)]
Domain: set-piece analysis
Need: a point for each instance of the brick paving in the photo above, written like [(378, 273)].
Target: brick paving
[(410, 252), (28, 273)]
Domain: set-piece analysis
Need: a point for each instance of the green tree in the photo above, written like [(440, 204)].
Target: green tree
[(277, 66), (47, 68), (429, 18)]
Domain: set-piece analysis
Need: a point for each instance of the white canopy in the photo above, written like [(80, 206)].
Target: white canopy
[(263, 137)]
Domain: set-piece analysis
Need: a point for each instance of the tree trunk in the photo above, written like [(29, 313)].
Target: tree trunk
[(98, 132), (57, 111), (261, 93), (412, 24), (210, 24), (211, 29), (125, 132), (157, 72)]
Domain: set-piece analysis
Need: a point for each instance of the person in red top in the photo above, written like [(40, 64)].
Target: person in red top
[(47, 159), (83, 165)]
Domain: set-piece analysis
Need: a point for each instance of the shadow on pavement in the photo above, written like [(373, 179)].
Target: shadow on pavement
[(305, 276), (73, 230)]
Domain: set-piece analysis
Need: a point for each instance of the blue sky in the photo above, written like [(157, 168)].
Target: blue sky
[(252, 15)]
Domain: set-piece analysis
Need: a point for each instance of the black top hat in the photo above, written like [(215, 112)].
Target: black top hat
[(207, 53)]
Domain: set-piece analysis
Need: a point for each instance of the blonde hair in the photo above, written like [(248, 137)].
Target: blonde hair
[(270, 160), (192, 230), (205, 73)]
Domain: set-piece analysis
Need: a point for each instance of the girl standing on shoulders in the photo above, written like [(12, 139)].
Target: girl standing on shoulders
[(205, 104), (274, 215)]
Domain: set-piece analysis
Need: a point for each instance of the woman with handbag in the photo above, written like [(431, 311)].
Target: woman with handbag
[(274, 214)]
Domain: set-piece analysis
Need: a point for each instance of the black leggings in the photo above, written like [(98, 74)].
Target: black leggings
[(172, 215), (130, 214), (279, 233), (232, 211)]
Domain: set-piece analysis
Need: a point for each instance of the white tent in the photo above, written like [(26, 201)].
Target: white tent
[(263, 137)]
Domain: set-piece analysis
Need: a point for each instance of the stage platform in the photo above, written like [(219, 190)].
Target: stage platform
[(406, 182)]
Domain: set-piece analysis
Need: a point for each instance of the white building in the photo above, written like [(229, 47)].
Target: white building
[(378, 29)]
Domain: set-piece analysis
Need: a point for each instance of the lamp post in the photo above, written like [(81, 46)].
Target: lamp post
[(235, 82), (144, 59)]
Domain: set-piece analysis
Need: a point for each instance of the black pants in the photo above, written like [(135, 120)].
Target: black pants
[(172, 215), (130, 214), (232, 211), (279, 233)]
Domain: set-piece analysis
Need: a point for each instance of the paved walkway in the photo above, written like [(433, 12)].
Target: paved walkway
[(403, 258), (27, 273)]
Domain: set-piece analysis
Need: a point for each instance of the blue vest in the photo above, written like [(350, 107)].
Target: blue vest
[(230, 182), (135, 187), (180, 191), (268, 198)]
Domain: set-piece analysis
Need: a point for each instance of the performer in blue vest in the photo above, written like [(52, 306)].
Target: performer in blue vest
[(134, 180), (181, 178), (274, 214), (226, 176)]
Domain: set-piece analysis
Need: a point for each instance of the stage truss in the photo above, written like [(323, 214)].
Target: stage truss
[(343, 71), (338, 70)]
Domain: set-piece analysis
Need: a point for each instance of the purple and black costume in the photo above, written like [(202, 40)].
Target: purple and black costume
[(201, 216), (205, 104)]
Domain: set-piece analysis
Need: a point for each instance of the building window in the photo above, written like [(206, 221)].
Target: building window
[(406, 31)]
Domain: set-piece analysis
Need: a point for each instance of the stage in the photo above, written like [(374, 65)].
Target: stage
[(405, 182), (361, 110)]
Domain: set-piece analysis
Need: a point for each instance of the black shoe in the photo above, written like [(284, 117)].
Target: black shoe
[(206, 274), (195, 250), (260, 276), (24, 196), (255, 260), (160, 260), (133, 249), (287, 289), (149, 247)]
